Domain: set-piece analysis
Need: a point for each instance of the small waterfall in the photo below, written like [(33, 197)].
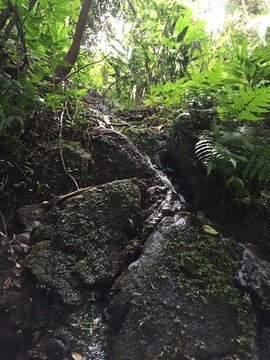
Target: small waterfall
[(164, 179)]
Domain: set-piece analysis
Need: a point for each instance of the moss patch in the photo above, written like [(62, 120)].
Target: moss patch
[(205, 268)]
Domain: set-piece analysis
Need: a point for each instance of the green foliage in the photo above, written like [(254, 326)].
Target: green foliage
[(37, 35), (16, 97), (166, 57), (235, 76), (244, 104), (158, 49), (240, 153), (245, 93), (41, 29), (35, 38)]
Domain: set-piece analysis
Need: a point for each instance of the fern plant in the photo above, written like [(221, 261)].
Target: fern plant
[(235, 76), (240, 154), (244, 104)]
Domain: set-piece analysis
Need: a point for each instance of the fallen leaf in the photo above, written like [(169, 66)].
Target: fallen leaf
[(210, 230), (77, 356)]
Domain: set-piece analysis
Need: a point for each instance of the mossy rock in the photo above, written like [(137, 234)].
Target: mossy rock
[(178, 300), (83, 242)]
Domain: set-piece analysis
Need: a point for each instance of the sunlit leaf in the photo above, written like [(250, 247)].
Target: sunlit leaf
[(77, 356), (182, 34), (246, 115), (208, 229), (81, 92)]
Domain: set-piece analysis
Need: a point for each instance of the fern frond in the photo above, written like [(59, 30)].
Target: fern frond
[(256, 168), (250, 162), (204, 152), (204, 148), (208, 80), (264, 173), (217, 156), (238, 138), (245, 104), (227, 159)]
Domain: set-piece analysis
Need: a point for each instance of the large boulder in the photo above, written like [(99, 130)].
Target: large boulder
[(103, 156), (178, 301), (82, 244), (125, 270)]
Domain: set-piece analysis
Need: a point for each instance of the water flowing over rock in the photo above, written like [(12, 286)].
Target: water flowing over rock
[(125, 270), (152, 315)]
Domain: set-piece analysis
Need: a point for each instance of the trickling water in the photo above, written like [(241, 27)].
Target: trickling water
[(96, 347), (93, 335), (164, 179), (170, 204)]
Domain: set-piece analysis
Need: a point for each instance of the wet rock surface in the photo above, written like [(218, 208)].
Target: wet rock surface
[(126, 270), (254, 275), (264, 343), (151, 315)]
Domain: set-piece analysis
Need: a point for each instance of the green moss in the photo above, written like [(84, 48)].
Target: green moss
[(205, 268), (50, 267), (42, 245), (146, 140), (214, 261), (85, 238)]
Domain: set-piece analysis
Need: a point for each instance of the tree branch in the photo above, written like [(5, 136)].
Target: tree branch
[(22, 39), (85, 66)]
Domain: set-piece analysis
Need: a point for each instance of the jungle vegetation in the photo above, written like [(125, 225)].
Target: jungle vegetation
[(53, 52)]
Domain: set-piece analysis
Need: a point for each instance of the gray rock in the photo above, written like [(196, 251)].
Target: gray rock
[(30, 216), (151, 312), (254, 275), (82, 243), (264, 343), (103, 156), (125, 271), (115, 157)]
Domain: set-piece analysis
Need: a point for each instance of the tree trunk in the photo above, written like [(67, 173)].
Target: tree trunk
[(132, 8), (71, 57), (245, 10)]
